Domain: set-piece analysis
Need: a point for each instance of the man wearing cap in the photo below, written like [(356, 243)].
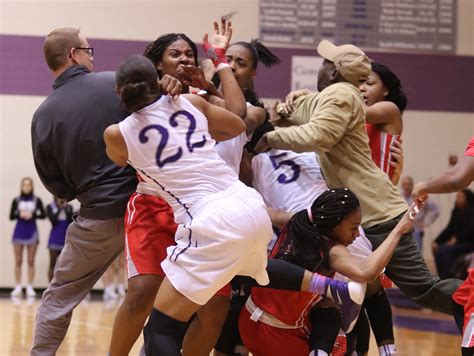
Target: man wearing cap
[(332, 123)]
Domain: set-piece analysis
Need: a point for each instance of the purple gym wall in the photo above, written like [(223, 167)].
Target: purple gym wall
[(432, 82)]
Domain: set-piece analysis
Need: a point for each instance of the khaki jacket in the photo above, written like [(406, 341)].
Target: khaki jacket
[(332, 123)]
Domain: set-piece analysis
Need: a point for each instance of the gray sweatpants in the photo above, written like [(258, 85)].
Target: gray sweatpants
[(91, 246), (408, 270)]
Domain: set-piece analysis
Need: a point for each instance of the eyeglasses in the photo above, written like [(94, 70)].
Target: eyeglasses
[(89, 50)]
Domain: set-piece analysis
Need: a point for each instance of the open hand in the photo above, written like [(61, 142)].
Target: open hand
[(221, 37), (291, 98), (194, 77)]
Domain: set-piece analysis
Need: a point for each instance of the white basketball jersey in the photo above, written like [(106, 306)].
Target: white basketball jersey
[(231, 150), (287, 180), (169, 144)]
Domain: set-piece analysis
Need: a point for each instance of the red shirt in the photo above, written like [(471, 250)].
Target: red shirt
[(470, 148), (379, 143)]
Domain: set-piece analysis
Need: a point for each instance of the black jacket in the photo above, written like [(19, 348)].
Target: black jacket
[(460, 225), (68, 145)]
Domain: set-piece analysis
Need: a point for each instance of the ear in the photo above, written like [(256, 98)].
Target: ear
[(159, 67), (254, 74), (73, 56), (334, 74)]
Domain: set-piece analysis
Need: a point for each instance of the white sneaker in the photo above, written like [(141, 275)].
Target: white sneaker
[(109, 293), (30, 292), (121, 290), (17, 291)]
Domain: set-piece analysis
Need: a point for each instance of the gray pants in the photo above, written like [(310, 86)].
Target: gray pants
[(91, 246), (408, 270)]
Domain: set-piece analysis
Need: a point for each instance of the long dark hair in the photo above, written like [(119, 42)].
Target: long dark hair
[(155, 50), (306, 237), (395, 92), (136, 81)]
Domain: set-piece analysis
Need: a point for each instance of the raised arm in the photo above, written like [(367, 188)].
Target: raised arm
[(215, 47)]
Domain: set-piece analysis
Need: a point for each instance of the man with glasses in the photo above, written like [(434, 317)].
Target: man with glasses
[(69, 155)]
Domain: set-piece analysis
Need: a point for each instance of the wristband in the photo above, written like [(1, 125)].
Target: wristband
[(215, 54)]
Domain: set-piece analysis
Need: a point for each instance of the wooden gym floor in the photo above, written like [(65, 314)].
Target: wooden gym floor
[(417, 332)]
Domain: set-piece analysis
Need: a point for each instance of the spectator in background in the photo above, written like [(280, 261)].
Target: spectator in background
[(457, 238), (114, 279), (26, 208), (60, 214), (427, 215)]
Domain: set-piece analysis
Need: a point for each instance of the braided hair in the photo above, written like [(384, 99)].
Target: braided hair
[(155, 50), (306, 237), (393, 85)]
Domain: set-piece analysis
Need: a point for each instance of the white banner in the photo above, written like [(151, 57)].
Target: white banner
[(304, 72)]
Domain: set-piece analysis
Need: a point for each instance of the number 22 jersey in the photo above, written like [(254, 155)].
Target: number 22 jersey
[(169, 144)]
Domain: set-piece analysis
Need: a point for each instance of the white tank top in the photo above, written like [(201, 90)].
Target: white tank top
[(287, 180), (169, 144)]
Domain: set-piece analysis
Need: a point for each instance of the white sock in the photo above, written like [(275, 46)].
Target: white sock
[(318, 353), (387, 350)]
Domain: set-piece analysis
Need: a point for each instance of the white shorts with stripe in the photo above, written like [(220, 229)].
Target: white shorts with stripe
[(227, 236)]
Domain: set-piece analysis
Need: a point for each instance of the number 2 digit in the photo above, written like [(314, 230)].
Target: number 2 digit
[(192, 127), (161, 146)]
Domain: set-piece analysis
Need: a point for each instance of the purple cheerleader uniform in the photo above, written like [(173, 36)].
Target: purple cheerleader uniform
[(26, 231), (60, 218)]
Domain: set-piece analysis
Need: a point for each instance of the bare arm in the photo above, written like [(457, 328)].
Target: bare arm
[(233, 95), (396, 162), (453, 180), (343, 262), (116, 147), (223, 124), (386, 113), (279, 218), (255, 116)]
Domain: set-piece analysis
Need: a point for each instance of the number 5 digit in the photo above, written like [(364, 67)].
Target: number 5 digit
[(282, 178)]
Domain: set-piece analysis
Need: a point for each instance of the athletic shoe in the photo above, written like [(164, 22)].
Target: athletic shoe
[(17, 291), (30, 292), (349, 296)]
